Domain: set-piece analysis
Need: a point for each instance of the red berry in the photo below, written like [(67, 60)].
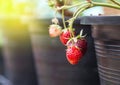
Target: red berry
[(82, 44), (54, 30), (65, 36), (73, 54)]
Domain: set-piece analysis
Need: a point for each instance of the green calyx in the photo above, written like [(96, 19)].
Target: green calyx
[(81, 36)]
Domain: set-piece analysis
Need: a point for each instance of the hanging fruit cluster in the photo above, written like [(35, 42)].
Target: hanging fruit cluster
[(76, 45)]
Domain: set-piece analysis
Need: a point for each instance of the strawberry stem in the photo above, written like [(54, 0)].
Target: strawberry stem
[(71, 27), (63, 16), (79, 8), (78, 36), (93, 4), (75, 16), (116, 2), (63, 19), (72, 6)]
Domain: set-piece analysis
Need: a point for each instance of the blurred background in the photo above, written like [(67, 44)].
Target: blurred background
[(17, 65)]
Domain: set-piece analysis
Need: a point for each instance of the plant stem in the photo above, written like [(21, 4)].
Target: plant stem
[(63, 19), (72, 6), (116, 2), (71, 26), (81, 10), (82, 6), (93, 4), (76, 15), (78, 36)]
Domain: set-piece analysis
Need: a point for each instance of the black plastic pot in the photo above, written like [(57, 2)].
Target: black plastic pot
[(17, 51), (1, 62), (51, 63), (106, 33), (1, 56)]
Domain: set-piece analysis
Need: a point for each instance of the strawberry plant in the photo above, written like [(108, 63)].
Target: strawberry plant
[(76, 44)]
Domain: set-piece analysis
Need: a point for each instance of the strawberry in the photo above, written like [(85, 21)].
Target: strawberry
[(76, 48), (65, 36), (82, 44), (73, 54), (79, 42), (54, 30)]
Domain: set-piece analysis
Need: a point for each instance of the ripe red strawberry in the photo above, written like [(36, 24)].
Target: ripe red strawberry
[(76, 49), (73, 54), (65, 36), (54, 30), (79, 42)]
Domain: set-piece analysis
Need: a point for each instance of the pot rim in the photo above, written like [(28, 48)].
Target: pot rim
[(76, 22), (100, 20)]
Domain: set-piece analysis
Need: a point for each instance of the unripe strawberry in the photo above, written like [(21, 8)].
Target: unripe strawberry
[(54, 30), (73, 54)]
